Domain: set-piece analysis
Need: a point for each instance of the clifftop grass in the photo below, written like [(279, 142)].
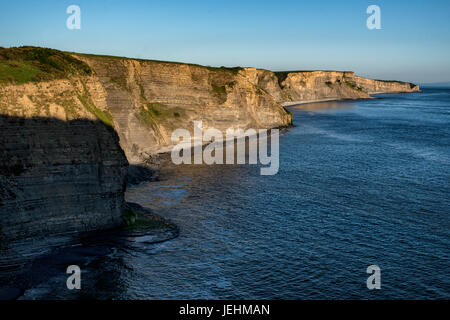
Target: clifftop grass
[(233, 70), (33, 64), (411, 85)]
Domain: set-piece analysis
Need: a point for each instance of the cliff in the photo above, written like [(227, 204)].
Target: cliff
[(148, 100), (62, 171), (290, 88), (57, 178), (65, 119)]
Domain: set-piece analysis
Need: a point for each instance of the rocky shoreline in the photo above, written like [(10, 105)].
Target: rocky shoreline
[(139, 223)]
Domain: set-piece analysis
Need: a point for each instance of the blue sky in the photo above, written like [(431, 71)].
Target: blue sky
[(413, 44)]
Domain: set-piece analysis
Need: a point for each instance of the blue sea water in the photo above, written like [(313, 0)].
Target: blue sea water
[(360, 183)]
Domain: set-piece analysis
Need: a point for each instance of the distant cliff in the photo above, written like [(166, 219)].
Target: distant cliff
[(290, 88), (65, 119)]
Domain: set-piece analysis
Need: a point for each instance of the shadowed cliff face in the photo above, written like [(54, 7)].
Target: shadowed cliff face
[(57, 178)]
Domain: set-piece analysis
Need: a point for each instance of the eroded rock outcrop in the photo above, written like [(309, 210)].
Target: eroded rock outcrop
[(57, 178)]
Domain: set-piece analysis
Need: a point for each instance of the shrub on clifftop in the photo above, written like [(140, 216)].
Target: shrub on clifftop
[(25, 64)]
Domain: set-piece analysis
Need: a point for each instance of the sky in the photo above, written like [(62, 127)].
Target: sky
[(413, 43)]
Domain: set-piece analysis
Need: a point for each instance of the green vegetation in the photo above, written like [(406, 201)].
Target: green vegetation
[(129, 217), (390, 81), (219, 90), (290, 113), (103, 116), (148, 113), (17, 72), (151, 111), (146, 117), (281, 76), (26, 64), (233, 70), (154, 112), (69, 105), (231, 84), (411, 85), (350, 84), (134, 220), (121, 81), (155, 108), (329, 84), (353, 85)]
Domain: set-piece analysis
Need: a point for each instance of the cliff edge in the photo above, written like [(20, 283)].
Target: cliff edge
[(71, 122)]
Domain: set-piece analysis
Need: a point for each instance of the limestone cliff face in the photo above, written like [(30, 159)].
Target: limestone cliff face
[(290, 88), (380, 86), (148, 100), (145, 101), (63, 167)]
